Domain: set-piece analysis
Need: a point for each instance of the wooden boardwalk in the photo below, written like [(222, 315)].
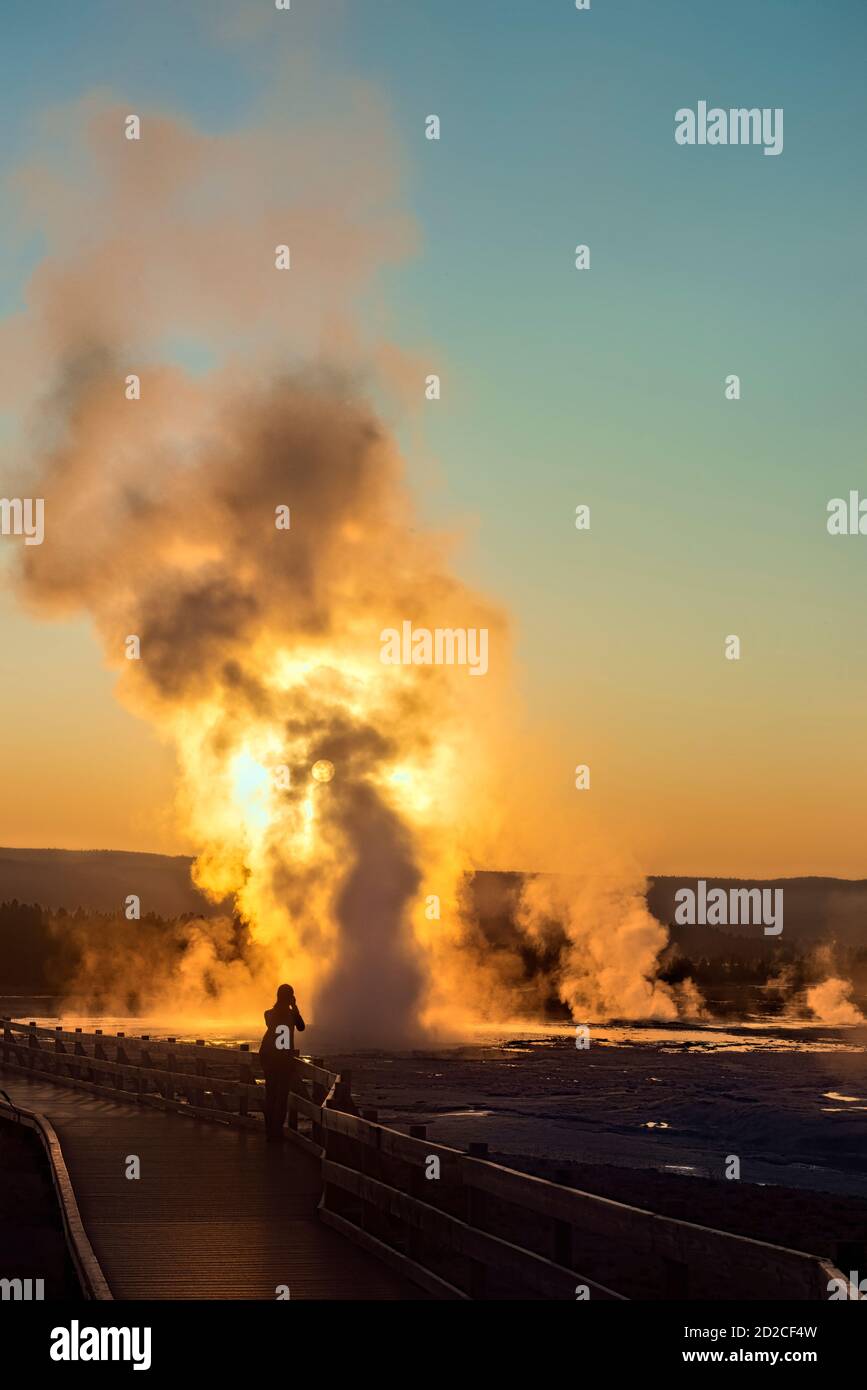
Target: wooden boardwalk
[(216, 1214)]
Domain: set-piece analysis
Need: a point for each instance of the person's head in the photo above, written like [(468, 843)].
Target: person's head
[(285, 995)]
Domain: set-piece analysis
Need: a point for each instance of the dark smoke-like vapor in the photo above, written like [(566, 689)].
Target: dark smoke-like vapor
[(255, 645)]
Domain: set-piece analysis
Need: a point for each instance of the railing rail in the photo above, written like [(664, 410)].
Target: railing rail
[(208, 1081), (486, 1231), (88, 1270)]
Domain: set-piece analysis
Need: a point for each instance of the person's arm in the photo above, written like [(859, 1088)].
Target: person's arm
[(299, 1021)]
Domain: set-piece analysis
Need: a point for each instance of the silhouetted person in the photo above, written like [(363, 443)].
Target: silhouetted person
[(276, 1057)]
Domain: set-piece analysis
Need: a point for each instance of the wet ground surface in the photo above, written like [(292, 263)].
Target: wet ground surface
[(792, 1110), (655, 1122)]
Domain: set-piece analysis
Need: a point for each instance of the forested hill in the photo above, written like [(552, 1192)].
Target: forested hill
[(99, 880)]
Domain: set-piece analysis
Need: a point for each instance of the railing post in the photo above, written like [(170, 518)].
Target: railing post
[(201, 1070), (120, 1057), (99, 1055), (145, 1084), (245, 1076), (344, 1094), (342, 1098), (59, 1050), (170, 1063), (78, 1049), (318, 1094), (475, 1215)]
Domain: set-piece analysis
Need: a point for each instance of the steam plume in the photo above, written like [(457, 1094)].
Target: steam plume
[(259, 646)]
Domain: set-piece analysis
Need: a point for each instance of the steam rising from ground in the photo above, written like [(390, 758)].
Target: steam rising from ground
[(608, 964), (260, 646), (831, 1002)]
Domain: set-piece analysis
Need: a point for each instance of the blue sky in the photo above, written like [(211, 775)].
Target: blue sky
[(603, 387)]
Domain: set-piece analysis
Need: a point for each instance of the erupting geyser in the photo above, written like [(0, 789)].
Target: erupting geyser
[(241, 535)]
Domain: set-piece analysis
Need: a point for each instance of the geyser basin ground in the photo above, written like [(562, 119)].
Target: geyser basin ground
[(788, 1097)]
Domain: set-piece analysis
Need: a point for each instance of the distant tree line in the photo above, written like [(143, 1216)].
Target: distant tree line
[(43, 951), (792, 969), (27, 948)]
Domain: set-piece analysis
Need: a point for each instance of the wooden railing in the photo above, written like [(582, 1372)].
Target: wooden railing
[(456, 1223), (469, 1228), (91, 1280), (217, 1083)]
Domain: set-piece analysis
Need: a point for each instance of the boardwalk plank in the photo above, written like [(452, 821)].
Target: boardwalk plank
[(217, 1213)]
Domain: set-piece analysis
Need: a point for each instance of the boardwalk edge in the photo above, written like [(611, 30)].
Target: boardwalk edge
[(94, 1285)]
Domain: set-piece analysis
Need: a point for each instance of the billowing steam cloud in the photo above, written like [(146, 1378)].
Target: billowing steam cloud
[(259, 644), (830, 1001), (608, 962), (259, 656)]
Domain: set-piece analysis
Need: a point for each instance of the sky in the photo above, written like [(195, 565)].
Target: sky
[(560, 387)]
